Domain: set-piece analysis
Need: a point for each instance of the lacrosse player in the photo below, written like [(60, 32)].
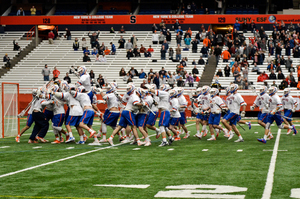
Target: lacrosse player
[(182, 106), (289, 106), (174, 111), (275, 105), (84, 80), (235, 101), (152, 116)]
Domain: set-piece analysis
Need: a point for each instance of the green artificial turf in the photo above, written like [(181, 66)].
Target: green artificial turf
[(185, 164)]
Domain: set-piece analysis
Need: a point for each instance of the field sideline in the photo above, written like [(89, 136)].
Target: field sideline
[(189, 168)]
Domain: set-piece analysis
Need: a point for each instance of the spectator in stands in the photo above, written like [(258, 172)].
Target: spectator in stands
[(142, 74), (236, 66), (50, 37), (97, 59), (171, 81), (84, 46), (206, 42), (292, 69), (236, 25), (103, 59), (86, 58), (155, 38), (235, 73), (293, 84), (154, 28), (204, 51), (260, 78), (165, 43), (292, 78), (100, 81), (225, 55), (111, 30), (76, 44), (280, 75), (269, 59), (162, 80), (95, 51), (180, 82), (129, 54), (93, 38), (271, 67), (156, 80), (178, 52), (143, 84), (278, 49), (195, 70), (16, 46), (46, 73), (178, 39), (68, 34), (176, 25), (196, 78), (122, 72), (162, 24), (86, 50), (122, 30), (219, 73), (288, 63), (227, 70), (113, 48), (129, 45), (138, 53), (121, 42), (161, 38), (147, 53), (55, 73), (134, 40), (92, 77), (150, 49), (255, 68), (163, 53), (151, 73), (190, 80), (245, 72), (252, 26), (133, 72), (245, 26), (201, 61), (171, 53), (194, 45), (142, 49), (32, 11), (67, 78), (21, 12), (272, 75), (7, 60), (274, 84), (239, 81), (265, 76)]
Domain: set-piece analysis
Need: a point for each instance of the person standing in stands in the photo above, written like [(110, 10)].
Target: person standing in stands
[(134, 40), (21, 12), (76, 44), (68, 34), (32, 11), (67, 78), (93, 38), (46, 73), (55, 73), (50, 37), (121, 42)]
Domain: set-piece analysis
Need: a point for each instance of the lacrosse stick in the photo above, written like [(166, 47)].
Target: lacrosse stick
[(149, 109), (253, 89), (284, 116), (74, 72)]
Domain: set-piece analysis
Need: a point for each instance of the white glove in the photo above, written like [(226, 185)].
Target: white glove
[(101, 101), (148, 86), (73, 93), (38, 92), (196, 110), (243, 113), (266, 106), (252, 108), (273, 112), (293, 110), (116, 93), (225, 109), (205, 112), (98, 114), (143, 103)]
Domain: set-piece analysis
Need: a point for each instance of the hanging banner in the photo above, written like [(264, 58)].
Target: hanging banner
[(145, 19)]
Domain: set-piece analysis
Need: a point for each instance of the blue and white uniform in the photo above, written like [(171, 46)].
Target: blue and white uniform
[(288, 103), (235, 101), (111, 117), (174, 110), (182, 102), (163, 105), (85, 81), (141, 117), (127, 115), (204, 104), (151, 117), (29, 117), (215, 116), (59, 114), (275, 102), (261, 102)]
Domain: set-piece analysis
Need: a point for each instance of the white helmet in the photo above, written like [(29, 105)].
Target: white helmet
[(263, 90), (199, 91), (72, 87), (173, 93), (140, 91), (55, 88), (180, 91), (227, 90), (81, 89), (110, 88), (233, 88), (34, 92), (286, 92), (272, 90), (213, 92), (130, 88), (205, 90), (153, 86), (164, 87), (65, 86), (82, 70)]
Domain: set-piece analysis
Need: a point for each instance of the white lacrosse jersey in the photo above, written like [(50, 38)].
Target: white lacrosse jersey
[(235, 101), (204, 101), (111, 100), (85, 81), (154, 107), (226, 100), (288, 102), (149, 100), (37, 105), (132, 101), (74, 105), (125, 97), (30, 110), (174, 108), (215, 103), (275, 102), (164, 99), (260, 101), (83, 98), (94, 99), (58, 108), (182, 102)]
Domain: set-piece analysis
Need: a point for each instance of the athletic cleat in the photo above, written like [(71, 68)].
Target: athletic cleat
[(295, 130), (217, 135), (249, 125), (126, 140), (102, 140), (95, 143), (140, 143), (226, 135), (110, 141), (163, 144), (148, 143), (62, 139), (80, 142), (186, 136), (210, 139), (231, 134), (42, 139), (157, 134), (85, 137), (92, 134), (239, 140), (32, 142), (55, 142), (99, 134), (289, 131), (177, 139), (205, 134), (262, 140), (199, 136), (17, 138), (67, 137), (270, 137), (71, 139), (171, 140)]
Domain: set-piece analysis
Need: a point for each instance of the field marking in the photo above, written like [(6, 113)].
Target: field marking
[(272, 150), (171, 149), (37, 147), (70, 147), (295, 193), (136, 186), (135, 149), (53, 197), (67, 158), (4, 147), (270, 178), (239, 150), (205, 150)]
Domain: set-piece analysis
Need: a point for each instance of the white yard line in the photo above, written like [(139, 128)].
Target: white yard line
[(68, 158), (270, 179)]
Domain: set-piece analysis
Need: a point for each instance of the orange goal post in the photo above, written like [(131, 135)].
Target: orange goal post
[(10, 105)]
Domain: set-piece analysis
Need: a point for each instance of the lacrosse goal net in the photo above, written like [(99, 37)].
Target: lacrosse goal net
[(9, 98)]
